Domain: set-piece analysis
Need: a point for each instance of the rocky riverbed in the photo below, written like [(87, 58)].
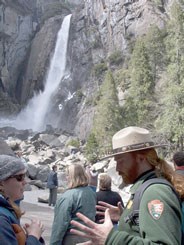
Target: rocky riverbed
[(42, 150)]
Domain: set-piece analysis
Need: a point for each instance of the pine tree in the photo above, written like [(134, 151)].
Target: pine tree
[(108, 118), (154, 42), (171, 120), (140, 93), (92, 148)]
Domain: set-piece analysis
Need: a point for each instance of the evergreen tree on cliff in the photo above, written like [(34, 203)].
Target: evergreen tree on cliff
[(140, 95), (171, 120), (108, 117)]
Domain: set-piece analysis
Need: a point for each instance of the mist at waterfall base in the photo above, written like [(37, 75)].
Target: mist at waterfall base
[(34, 116)]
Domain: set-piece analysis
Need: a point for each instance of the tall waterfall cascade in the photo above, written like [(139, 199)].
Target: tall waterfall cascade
[(34, 114)]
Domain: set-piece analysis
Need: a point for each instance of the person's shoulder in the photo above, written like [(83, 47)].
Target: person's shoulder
[(84, 191), (7, 219), (6, 222), (99, 192), (159, 191), (115, 193), (70, 194), (65, 196)]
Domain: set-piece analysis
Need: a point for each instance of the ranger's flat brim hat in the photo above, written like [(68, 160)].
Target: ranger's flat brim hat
[(131, 139)]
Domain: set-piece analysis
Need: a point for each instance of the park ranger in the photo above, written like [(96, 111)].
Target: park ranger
[(159, 213)]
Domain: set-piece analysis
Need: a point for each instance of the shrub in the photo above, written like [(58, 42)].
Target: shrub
[(92, 148), (100, 68), (115, 58), (74, 142), (79, 95)]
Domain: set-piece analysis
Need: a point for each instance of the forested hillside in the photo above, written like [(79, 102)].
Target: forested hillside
[(152, 80)]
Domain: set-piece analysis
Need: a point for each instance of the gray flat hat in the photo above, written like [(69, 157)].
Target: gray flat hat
[(9, 166), (131, 139)]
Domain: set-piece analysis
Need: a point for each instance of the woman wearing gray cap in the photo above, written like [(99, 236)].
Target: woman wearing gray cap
[(12, 182)]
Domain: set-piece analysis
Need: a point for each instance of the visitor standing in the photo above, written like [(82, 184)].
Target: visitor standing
[(52, 184)]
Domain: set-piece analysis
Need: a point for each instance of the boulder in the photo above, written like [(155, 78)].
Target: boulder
[(32, 170), (38, 183), (43, 173), (5, 148), (43, 199)]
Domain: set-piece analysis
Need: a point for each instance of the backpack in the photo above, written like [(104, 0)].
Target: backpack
[(134, 216)]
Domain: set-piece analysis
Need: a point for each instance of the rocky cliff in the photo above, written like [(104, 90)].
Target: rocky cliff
[(28, 32)]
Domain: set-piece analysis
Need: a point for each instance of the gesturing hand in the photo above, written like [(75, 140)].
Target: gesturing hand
[(115, 212), (97, 233)]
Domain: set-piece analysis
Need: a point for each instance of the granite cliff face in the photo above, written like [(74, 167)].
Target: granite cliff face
[(28, 32)]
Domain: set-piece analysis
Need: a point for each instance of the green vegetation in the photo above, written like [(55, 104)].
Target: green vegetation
[(153, 85), (107, 118), (158, 3), (96, 44), (100, 68), (74, 143), (139, 99), (92, 148), (115, 58), (171, 120), (155, 45), (79, 95)]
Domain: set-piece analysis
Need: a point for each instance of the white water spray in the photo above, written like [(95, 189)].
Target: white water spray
[(33, 116)]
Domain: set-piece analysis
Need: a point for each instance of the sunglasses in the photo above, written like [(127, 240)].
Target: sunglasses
[(18, 177)]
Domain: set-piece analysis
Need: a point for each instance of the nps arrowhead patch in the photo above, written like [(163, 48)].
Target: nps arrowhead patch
[(156, 208)]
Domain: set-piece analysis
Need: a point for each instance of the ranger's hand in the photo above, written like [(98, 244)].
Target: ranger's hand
[(97, 233), (115, 212)]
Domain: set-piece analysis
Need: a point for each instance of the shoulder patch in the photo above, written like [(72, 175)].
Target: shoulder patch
[(156, 208)]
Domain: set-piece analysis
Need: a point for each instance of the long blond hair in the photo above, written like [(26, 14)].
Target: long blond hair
[(77, 176), (164, 169)]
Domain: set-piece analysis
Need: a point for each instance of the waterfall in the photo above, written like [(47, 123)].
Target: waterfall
[(33, 116)]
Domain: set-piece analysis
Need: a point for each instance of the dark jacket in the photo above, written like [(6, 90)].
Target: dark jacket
[(159, 218), (52, 181), (11, 232), (110, 197)]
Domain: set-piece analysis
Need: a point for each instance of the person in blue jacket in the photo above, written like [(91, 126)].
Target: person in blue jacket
[(52, 184), (12, 182)]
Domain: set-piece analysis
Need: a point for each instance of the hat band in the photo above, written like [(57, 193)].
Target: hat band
[(133, 147)]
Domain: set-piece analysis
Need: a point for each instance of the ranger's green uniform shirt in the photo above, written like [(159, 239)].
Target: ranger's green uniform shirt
[(159, 218)]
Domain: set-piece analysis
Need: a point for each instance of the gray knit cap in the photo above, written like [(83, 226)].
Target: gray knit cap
[(9, 166)]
